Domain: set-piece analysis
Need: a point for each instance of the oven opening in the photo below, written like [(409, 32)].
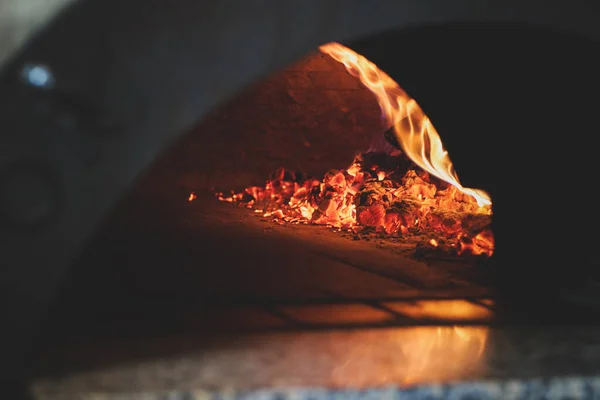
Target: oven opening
[(314, 228), (402, 188)]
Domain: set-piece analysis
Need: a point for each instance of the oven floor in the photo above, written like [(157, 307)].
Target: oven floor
[(204, 295)]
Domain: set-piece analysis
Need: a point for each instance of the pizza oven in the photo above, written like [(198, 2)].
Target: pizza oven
[(354, 220)]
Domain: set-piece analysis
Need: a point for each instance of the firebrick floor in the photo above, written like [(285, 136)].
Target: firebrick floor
[(206, 296)]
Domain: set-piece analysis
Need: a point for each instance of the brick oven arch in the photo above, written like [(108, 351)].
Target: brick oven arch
[(140, 72)]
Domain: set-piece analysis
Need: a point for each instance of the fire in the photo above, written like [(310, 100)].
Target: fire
[(482, 243), (414, 131), (414, 193), (192, 197)]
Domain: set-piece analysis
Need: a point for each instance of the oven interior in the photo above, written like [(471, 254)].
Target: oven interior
[(250, 302)]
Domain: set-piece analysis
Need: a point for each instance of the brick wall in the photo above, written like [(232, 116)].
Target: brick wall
[(312, 116)]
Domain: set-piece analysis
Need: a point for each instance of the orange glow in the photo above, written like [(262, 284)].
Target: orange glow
[(482, 243), (192, 197), (450, 310), (381, 194), (465, 346), (412, 356), (414, 131)]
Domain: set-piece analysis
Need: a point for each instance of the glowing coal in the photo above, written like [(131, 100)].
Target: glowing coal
[(410, 192), (377, 194)]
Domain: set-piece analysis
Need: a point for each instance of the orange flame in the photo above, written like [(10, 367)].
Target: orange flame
[(378, 195), (414, 131), (192, 197)]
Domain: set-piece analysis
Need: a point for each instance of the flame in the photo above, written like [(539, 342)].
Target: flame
[(380, 193), (414, 131), (192, 197)]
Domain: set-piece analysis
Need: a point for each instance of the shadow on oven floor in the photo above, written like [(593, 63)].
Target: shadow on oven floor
[(206, 295)]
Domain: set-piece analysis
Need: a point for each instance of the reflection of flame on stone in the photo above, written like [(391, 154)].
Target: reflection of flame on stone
[(410, 356)]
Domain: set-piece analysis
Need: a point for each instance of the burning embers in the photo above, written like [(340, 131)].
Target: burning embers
[(410, 192), (378, 194)]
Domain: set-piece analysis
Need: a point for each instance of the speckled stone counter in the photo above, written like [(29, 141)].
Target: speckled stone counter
[(550, 389)]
